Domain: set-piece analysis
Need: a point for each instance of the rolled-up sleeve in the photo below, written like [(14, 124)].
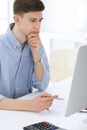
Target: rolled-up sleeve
[(46, 75)]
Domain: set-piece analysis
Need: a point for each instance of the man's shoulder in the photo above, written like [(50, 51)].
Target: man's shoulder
[(2, 37)]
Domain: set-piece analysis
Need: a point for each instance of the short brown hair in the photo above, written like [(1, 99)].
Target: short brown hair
[(23, 6)]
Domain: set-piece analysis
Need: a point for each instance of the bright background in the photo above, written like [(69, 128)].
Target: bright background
[(63, 31)]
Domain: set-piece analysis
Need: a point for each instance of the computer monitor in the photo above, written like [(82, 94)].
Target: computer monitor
[(77, 99)]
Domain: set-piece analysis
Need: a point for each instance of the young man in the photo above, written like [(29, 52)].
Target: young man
[(23, 62)]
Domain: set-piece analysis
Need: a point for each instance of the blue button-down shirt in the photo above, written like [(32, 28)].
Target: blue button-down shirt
[(17, 75)]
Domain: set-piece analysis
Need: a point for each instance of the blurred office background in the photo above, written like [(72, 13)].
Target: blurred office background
[(63, 31)]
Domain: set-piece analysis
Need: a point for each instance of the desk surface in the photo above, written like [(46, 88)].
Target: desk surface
[(16, 120)]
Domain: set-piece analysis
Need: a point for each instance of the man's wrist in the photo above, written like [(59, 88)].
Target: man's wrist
[(38, 63)]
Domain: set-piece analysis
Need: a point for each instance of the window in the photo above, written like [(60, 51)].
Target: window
[(65, 25), (5, 15)]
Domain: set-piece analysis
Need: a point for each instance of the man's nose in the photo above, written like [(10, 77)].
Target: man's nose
[(37, 26)]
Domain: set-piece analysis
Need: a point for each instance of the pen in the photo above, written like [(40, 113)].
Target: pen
[(60, 98), (56, 97)]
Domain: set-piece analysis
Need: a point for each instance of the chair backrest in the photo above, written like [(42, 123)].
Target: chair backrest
[(62, 62)]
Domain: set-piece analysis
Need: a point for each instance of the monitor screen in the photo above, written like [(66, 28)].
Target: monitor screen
[(77, 99)]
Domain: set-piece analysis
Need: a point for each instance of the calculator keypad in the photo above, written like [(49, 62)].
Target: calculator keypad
[(42, 126)]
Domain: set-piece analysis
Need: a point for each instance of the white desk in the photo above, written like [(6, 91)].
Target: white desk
[(16, 120)]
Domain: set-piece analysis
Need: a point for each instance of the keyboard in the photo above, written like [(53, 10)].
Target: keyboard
[(42, 126)]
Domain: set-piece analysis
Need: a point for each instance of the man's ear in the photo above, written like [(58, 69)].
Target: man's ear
[(16, 18)]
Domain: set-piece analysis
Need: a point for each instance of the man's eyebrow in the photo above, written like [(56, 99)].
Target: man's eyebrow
[(35, 18)]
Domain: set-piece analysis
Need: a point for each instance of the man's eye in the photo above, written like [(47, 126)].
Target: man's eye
[(32, 20), (40, 20)]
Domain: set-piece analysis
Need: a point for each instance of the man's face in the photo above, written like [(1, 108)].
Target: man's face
[(30, 22)]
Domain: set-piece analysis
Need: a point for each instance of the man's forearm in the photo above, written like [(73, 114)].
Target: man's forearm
[(39, 70), (15, 104), (38, 66)]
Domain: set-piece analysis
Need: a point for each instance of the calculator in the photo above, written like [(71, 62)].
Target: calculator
[(42, 126)]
